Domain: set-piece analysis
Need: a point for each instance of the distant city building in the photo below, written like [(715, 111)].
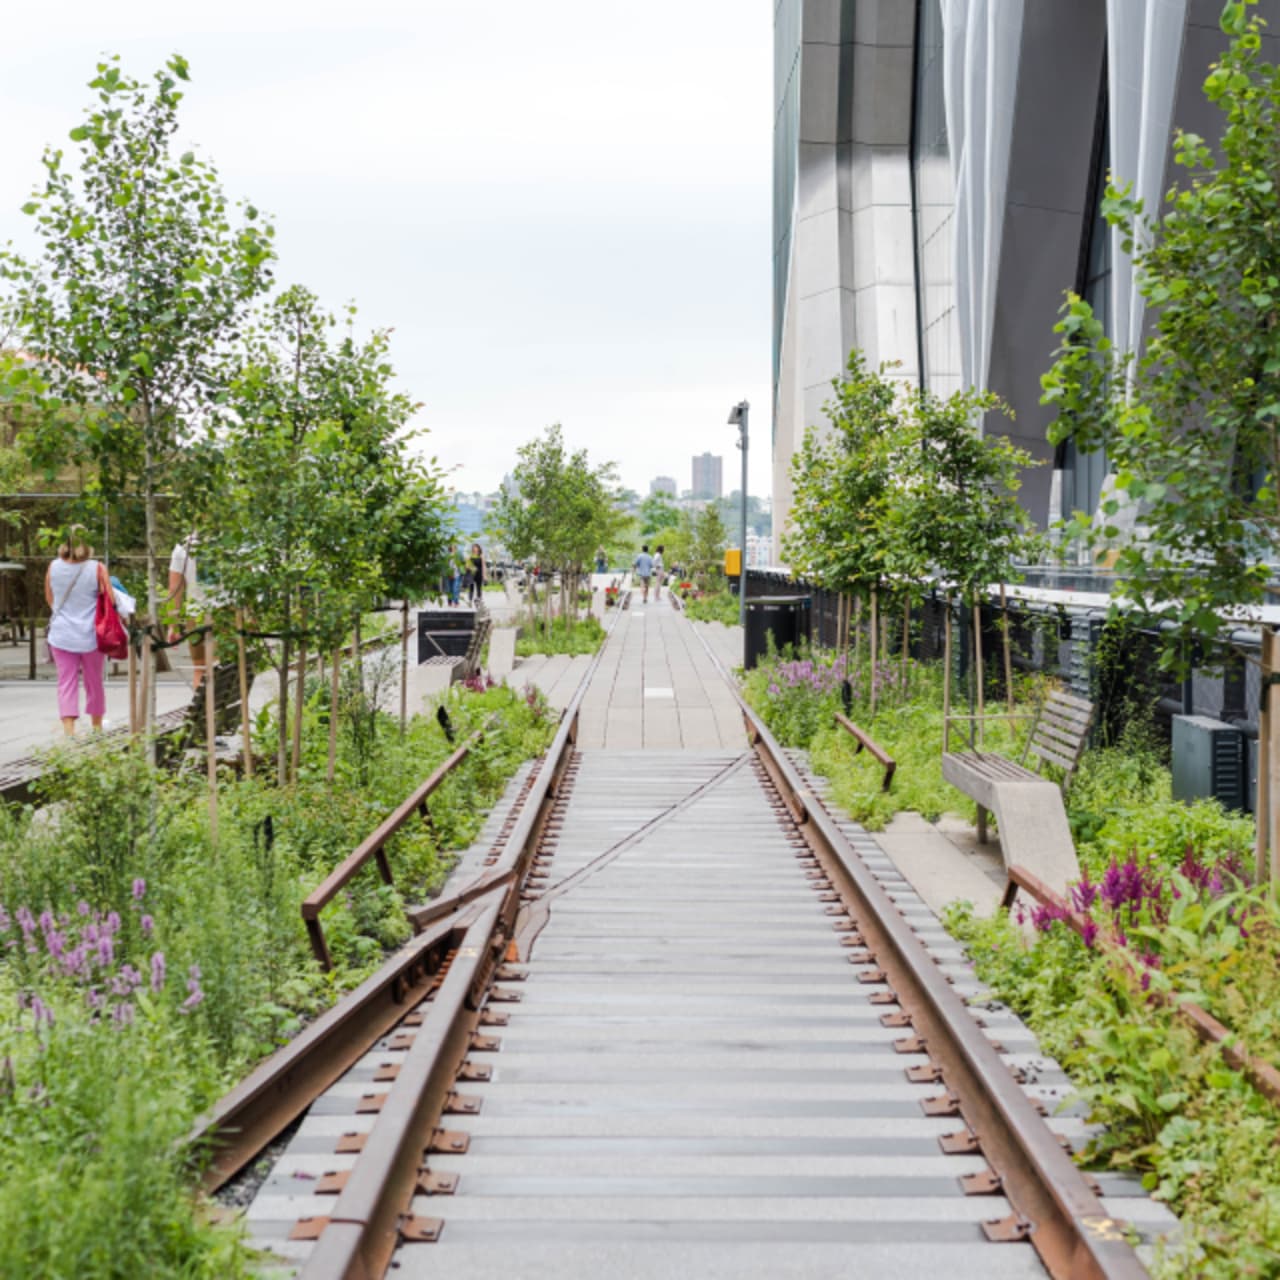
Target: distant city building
[(662, 484), (708, 476)]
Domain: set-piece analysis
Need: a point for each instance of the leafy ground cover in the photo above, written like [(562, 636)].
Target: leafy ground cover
[(1164, 925), (142, 969), (798, 696), (712, 606), (586, 636)]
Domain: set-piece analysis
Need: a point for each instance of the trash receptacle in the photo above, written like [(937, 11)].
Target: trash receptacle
[(785, 618)]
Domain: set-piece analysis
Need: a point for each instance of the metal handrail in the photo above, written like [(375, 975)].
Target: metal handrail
[(374, 846)]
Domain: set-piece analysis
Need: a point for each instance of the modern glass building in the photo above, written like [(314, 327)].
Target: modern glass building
[(938, 167)]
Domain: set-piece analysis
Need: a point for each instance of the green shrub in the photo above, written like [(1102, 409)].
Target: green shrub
[(586, 636), (95, 1103), (713, 606)]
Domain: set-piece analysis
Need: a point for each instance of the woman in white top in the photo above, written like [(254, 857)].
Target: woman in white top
[(71, 589), (658, 567)]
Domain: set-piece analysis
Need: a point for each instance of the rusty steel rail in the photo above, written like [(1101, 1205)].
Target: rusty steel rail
[(370, 1216), (864, 739), (280, 1089), (1260, 1073), (374, 846), (1054, 1207)]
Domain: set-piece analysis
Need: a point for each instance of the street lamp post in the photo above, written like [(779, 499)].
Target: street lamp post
[(738, 418)]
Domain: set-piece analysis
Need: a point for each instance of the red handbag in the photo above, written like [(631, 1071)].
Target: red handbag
[(107, 626)]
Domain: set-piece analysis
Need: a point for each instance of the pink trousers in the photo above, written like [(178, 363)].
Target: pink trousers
[(70, 667)]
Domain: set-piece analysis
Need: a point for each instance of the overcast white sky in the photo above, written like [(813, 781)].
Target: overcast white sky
[(562, 207)]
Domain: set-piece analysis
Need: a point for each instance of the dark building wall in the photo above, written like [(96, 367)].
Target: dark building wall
[(1059, 80)]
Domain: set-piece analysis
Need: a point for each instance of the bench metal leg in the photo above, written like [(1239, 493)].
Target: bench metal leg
[(982, 825)]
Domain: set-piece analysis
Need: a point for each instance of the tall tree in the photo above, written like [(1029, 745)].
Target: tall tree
[(1192, 426), (319, 509), (145, 273), (559, 511)]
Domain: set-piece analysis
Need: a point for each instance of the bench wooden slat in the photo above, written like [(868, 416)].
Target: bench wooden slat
[(1053, 757), (1052, 736), (1074, 722), (1070, 700)]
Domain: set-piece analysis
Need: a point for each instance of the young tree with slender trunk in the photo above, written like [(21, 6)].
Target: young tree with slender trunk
[(145, 274)]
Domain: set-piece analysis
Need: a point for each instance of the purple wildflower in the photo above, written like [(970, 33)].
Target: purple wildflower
[(113, 923), (41, 1011), (26, 921), (157, 971), (1089, 934), (46, 921), (106, 950), (139, 890), (147, 923), (82, 908), (1084, 894)]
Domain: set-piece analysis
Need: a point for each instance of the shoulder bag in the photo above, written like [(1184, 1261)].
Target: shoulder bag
[(107, 626)]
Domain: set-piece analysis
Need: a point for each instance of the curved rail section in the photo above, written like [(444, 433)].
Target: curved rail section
[(282, 1087)]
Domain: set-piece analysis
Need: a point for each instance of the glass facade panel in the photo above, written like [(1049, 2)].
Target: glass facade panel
[(1086, 472), (786, 155), (934, 209)]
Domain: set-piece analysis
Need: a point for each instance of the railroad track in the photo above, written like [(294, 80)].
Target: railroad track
[(758, 1074)]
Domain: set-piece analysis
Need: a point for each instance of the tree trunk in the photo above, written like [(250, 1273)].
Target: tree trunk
[(873, 649), (282, 728), (334, 689), (1272, 822), (404, 667), (211, 743), (153, 597), (946, 675), (857, 633), (300, 696), (906, 648), (1008, 656), (977, 668), (1262, 797), (245, 732)]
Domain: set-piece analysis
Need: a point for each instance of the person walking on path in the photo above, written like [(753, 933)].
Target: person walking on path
[(602, 561), (644, 569), (71, 588), (657, 573), (475, 566), (453, 573), (184, 588)]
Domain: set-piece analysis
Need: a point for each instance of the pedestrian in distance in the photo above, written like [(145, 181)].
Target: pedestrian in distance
[(657, 572), (644, 569), (475, 567), (71, 588), (602, 561), (185, 589), (453, 573)]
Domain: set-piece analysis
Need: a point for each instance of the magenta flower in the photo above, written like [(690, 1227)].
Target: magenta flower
[(139, 890)]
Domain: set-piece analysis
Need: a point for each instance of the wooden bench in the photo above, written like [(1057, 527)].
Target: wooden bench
[(468, 665), (1028, 807)]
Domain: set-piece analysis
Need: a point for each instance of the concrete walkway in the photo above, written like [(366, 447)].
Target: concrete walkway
[(656, 689)]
